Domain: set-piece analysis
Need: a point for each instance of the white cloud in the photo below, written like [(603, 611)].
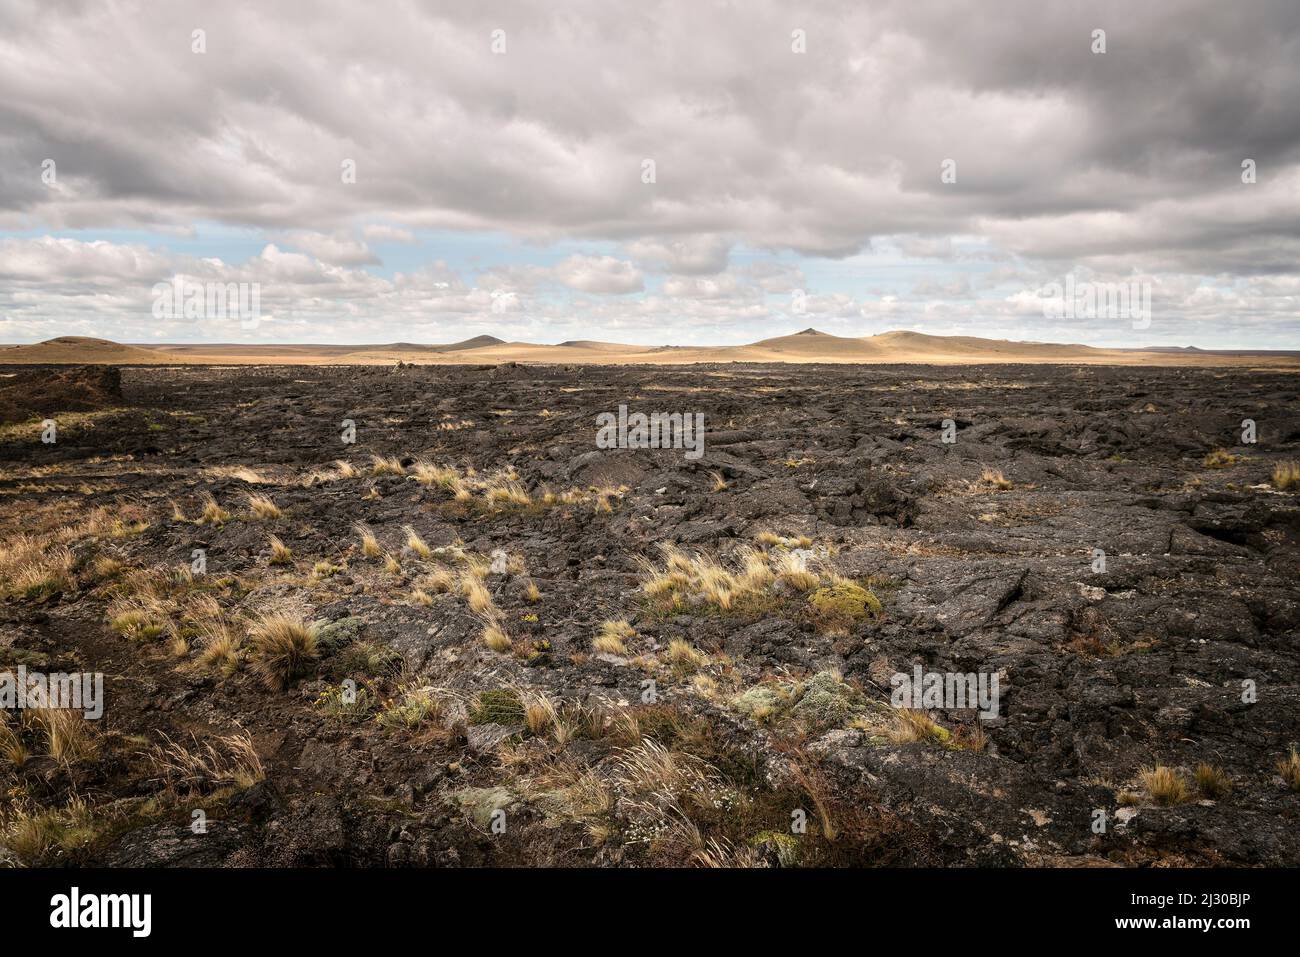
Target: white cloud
[(691, 255), (334, 248), (599, 274)]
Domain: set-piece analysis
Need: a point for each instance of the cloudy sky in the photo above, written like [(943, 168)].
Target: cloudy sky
[(501, 154)]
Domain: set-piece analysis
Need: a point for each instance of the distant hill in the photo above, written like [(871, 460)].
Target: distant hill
[(84, 350), (478, 342)]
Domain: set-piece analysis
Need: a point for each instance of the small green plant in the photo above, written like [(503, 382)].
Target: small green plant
[(136, 624), (841, 604), (412, 708), (324, 569), (498, 706), (347, 704)]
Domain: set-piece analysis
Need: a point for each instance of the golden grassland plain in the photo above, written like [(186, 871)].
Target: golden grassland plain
[(808, 346)]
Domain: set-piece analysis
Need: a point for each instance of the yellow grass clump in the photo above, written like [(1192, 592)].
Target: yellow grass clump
[(283, 648), (1221, 459), (609, 639), (379, 465), (262, 507), (477, 597), (370, 546), (496, 639), (995, 478), (1285, 475), (1289, 768), (33, 569), (1165, 785), (416, 544), (212, 513), (281, 554)]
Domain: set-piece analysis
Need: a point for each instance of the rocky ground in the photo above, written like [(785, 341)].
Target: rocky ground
[(526, 675)]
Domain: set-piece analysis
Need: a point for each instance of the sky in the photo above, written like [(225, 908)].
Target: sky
[(658, 173)]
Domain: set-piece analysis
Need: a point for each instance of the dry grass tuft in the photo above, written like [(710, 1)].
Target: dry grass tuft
[(67, 734), (1289, 768), (34, 569), (602, 497), (283, 648), (1285, 475), (137, 619), (995, 478), (505, 491), (609, 639), (1165, 785), (496, 639), (262, 507), (652, 769), (443, 476), (370, 546), (684, 658), (212, 513), (281, 554), (1221, 459), (220, 645), (379, 465), (477, 597), (1212, 782), (224, 761), (416, 544), (440, 581), (772, 540), (792, 569), (12, 748), (911, 725), (694, 580), (33, 835)]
